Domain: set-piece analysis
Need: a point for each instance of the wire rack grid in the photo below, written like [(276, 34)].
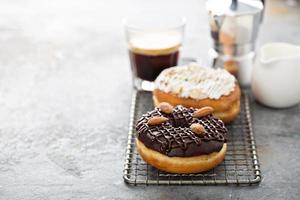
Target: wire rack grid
[(240, 165)]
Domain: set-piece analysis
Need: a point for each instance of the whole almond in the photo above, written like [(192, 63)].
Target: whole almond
[(165, 107), (197, 128), (203, 112), (157, 120)]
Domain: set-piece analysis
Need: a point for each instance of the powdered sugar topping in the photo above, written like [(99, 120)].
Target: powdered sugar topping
[(197, 82)]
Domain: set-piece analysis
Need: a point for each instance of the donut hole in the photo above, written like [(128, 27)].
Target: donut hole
[(181, 117)]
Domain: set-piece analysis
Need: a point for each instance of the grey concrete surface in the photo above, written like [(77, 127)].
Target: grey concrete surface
[(65, 94)]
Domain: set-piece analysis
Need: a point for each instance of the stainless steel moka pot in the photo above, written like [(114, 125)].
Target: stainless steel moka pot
[(234, 26)]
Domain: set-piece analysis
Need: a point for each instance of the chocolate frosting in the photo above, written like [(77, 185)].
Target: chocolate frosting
[(175, 138)]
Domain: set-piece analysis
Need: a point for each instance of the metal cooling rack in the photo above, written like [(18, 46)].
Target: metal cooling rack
[(240, 166)]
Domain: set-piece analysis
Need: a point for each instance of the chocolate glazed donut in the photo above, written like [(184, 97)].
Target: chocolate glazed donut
[(181, 140)]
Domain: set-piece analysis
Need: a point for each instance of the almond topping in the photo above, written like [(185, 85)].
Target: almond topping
[(197, 128), (165, 107), (157, 120), (203, 112)]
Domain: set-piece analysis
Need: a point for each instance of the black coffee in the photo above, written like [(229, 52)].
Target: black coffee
[(147, 66)]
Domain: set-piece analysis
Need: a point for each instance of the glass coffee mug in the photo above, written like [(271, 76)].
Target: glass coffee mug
[(153, 46)]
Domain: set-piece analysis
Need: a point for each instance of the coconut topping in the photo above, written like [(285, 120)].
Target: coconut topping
[(194, 81)]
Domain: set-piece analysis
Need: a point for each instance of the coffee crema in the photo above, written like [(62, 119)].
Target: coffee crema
[(150, 56)]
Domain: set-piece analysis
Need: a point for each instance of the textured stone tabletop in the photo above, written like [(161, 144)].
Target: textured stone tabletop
[(65, 92)]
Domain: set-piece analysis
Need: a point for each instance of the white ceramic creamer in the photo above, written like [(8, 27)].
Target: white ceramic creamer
[(276, 75)]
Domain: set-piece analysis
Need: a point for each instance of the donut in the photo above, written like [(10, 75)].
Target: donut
[(196, 86), (181, 140)]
